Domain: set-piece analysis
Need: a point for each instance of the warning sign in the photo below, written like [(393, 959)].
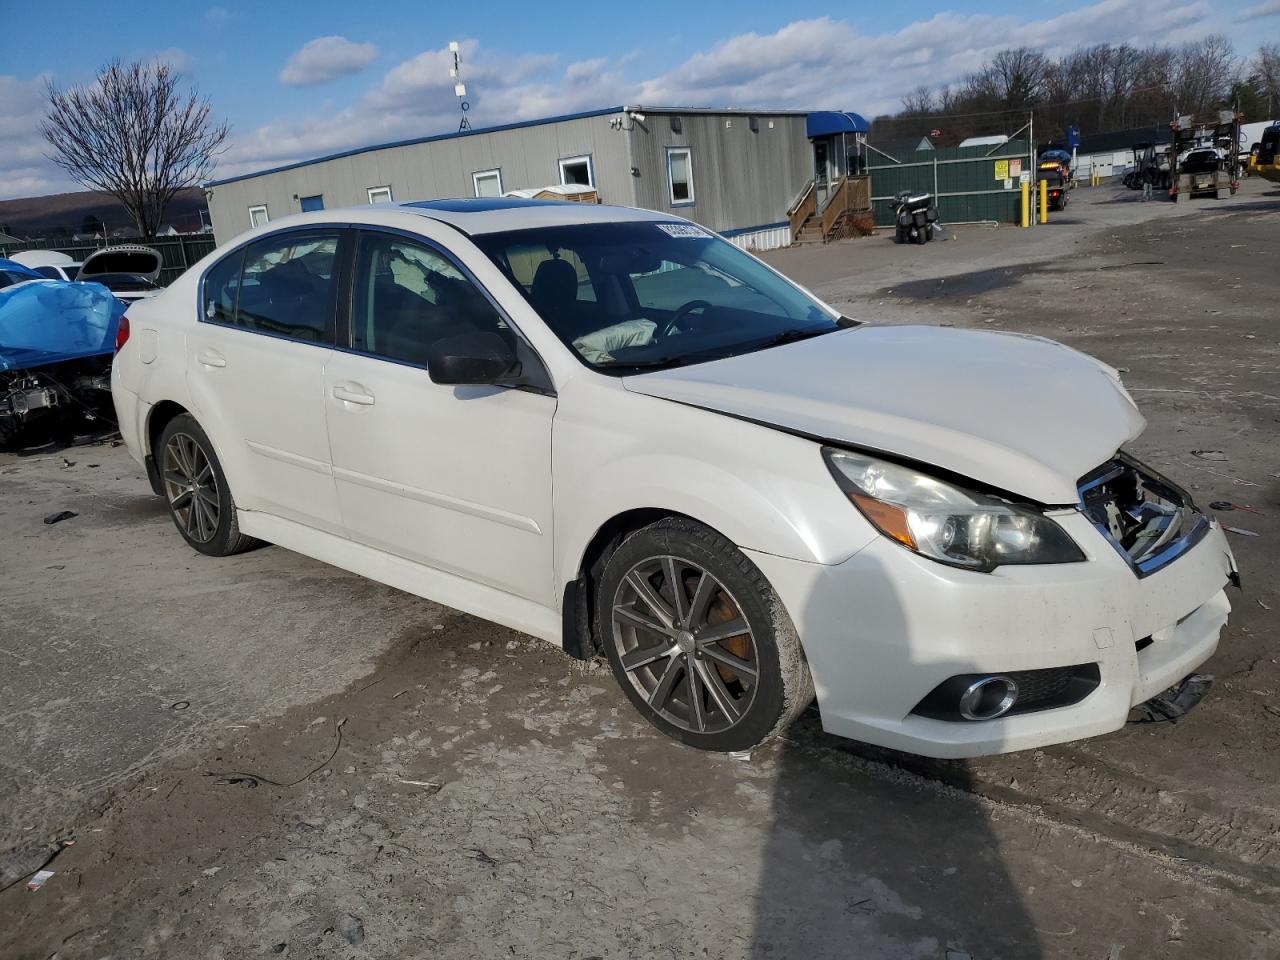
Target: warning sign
[(1015, 167), (1002, 169)]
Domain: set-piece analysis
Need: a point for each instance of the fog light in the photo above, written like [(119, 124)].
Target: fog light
[(988, 698)]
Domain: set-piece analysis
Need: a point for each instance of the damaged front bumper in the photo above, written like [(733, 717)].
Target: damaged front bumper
[(886, 627)]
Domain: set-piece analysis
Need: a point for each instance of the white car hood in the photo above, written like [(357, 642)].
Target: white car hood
[(1022, 414)]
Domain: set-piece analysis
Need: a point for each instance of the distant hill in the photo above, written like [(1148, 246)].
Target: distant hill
[(63, 214)]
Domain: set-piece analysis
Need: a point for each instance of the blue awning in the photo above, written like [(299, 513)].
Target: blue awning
[(827, 123)]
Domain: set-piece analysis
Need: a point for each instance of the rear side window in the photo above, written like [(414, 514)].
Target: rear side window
[(281, 285), (221, 284)]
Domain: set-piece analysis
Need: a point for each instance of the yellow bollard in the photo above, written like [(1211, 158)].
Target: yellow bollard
[(1044, 202), (1026, 204)]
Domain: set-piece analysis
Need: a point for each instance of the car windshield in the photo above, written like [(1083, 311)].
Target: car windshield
[(629, 297)]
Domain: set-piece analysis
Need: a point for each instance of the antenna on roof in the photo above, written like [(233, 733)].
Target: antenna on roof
[(459, 88)]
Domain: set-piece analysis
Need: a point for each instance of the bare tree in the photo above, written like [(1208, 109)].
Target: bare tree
[(135, 133), (1267, 69), (919, 102)]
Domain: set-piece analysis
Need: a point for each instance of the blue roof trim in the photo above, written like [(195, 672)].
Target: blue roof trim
[(826, 123), (585, 115)]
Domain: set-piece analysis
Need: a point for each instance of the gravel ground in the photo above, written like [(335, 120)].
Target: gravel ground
[(448, 788)]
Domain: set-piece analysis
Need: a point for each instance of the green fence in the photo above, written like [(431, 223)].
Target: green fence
[(177, 253), (970, 183)]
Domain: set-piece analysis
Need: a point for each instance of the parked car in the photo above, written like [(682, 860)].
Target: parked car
[(130, 271), (50, 264), (614, 430)]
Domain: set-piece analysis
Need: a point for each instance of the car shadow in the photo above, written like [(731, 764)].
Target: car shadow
[(865, 859)]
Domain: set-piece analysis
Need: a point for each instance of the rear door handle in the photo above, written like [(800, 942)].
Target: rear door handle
[(211, 358), (352, 393)]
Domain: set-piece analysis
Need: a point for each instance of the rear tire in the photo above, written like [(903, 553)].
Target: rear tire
[(681, 658), (196, 489)]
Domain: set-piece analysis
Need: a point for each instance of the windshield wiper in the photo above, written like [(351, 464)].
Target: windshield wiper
[(645, 364), (798, 333)]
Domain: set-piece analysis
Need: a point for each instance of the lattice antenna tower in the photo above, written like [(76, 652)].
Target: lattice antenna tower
[(459, 88)]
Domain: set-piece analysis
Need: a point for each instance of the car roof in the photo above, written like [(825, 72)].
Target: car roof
[(475, 216), (498, 214)]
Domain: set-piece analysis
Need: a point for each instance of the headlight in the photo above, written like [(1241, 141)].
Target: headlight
[(944, 522)]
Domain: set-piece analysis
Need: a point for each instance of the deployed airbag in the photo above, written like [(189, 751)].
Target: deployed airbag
[(596, 347), (48, 321)]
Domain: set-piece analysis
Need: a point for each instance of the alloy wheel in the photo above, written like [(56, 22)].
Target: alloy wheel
[(685, 645), (191, 487)]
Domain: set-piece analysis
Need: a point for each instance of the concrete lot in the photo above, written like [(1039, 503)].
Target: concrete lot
[(490, 798)]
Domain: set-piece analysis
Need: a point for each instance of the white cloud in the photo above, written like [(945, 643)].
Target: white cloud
[(24, 169), (326, 58), (1267, 9), (818, 63), (175, 58), (217, 14)]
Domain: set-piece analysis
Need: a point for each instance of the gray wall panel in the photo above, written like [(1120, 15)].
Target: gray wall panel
[(741, 179)]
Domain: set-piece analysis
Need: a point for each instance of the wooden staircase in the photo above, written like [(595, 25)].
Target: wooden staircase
[(810, 231), (848, 205)]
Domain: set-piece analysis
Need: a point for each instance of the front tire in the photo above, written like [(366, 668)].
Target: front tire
[(698, 639), (196, 489)]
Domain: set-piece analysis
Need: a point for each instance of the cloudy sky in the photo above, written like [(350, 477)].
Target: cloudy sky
[(301, 79)]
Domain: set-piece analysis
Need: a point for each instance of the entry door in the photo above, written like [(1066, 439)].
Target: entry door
[(256, 368), (457, 478), (820, 175)]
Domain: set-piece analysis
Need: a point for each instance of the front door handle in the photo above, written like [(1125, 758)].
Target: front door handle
[(352, 393), (211, 358)]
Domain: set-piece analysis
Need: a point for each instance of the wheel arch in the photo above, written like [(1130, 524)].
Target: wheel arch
[(158, 417), (578, 603)]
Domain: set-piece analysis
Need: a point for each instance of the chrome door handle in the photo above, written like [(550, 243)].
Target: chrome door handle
[(211, 358), (352, 393)]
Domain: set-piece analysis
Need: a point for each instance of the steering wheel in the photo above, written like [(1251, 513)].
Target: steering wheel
[(680, 314)]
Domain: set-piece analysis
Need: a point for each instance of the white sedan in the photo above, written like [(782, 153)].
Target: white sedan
[(612, 429)]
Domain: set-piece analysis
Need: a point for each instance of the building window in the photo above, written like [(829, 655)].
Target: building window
[(487, 183), (680, 175), (577, 170), (312, 203), (258, 215), (379, 194)]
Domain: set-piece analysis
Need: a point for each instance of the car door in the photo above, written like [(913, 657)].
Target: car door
[(454, 477), (256, 371)]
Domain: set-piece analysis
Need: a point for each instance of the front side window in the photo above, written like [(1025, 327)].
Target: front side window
[(680, 176), (258, 215), (487, 183), (285, 286), (661, 294), (379, 194), (407, 296), (576, 170)]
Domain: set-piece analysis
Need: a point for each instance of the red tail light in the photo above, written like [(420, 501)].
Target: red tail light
[(122, 333)]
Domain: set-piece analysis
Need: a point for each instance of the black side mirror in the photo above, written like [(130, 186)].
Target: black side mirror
[(472, 358)]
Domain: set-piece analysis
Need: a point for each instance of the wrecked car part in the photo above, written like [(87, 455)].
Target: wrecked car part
[(1149, 520), (1175, 702), (56, 344)]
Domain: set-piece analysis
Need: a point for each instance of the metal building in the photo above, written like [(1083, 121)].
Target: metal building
[(734, 171)]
